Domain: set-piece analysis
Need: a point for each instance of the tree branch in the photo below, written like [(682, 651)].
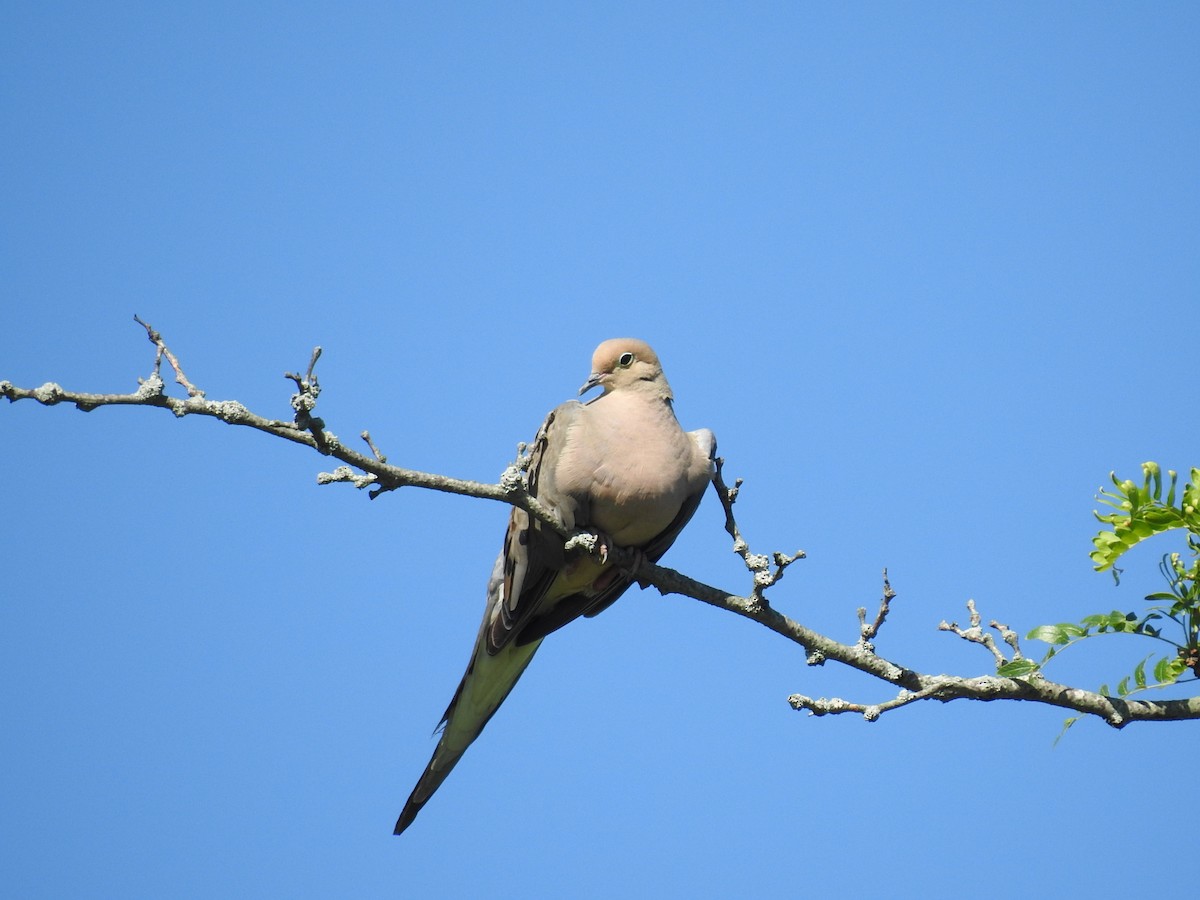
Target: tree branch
[(374, 471)]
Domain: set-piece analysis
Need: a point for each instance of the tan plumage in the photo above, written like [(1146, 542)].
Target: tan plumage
[(620, 465)]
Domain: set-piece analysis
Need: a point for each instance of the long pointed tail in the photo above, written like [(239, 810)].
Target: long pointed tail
[(486, 684)]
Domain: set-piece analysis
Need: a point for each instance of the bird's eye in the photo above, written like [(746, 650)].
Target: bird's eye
[(625, 359)]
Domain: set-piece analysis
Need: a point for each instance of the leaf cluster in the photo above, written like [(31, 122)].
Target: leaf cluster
[(1174, 614), (1142, 513)]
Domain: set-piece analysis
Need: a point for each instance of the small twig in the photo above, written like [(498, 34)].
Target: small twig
[(304, 401), (728, 496), (758, 564), (1009, 637), (870, 711), (163, 350), (347, 474), (867, 633), (515, 477), (366, 436), (975, 633), (310, 377)]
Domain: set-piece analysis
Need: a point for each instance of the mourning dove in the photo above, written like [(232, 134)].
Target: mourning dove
[(619, 465)]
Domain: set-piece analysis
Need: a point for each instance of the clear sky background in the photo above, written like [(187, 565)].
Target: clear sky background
[(929, 271)]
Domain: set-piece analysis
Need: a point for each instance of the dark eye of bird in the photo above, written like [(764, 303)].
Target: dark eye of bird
[(625, 359)]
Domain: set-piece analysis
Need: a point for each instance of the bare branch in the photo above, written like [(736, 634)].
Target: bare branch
[(758, 564), (304, 401), (180, 378), (376, 473), (867, 633), (366, 436), (307, 430), (975, 634), (1116, 711), (1009, 637)]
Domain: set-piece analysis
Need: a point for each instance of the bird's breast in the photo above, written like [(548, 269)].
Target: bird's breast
[(638, 482)]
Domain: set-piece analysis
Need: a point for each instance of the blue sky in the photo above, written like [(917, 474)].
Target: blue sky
[(928, 271)]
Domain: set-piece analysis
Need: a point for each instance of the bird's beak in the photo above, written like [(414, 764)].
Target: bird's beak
[(594, 380)]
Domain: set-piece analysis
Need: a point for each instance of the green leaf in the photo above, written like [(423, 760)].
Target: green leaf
[(1153, 473), (1127, 624), (1067, 723), (1162, 518), (1017, 668), (1123, 686), (1061, 633), (1142, 529), (1117, 620), (1164, 672), (1047, 633), (1139, 673)]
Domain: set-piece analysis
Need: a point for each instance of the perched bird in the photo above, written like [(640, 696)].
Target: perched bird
[(619, 465)]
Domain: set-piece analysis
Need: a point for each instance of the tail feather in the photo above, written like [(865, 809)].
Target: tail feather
[(488, 681)]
